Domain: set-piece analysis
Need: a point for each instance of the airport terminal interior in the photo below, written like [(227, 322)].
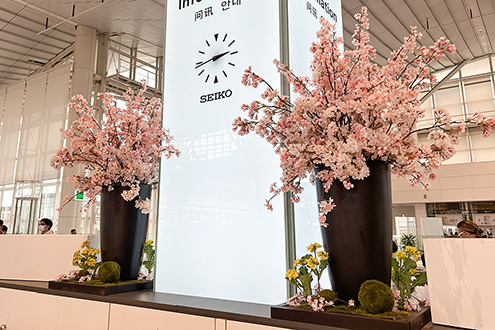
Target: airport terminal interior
[(220, 255)]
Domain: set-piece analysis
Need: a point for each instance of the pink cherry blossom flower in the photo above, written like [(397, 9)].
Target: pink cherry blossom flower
[(123, 148), (351, 110)]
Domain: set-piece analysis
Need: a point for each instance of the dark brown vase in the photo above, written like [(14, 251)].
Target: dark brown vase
[(359, 232), (123, 230)]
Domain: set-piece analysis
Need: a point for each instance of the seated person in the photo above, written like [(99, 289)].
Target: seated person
[(73, 231), (45, 226), (3, 230), (468, 229)]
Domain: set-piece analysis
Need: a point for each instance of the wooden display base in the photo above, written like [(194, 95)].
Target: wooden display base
[(415, 321), (100, 290)]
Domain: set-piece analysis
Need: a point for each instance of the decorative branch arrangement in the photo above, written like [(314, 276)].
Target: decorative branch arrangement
[(351, 111), (124, 148)]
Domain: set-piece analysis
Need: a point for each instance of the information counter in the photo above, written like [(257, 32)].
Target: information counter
[(461, 281)]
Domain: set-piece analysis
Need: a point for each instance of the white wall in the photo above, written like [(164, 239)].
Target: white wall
[(37, 257), (454, 183)]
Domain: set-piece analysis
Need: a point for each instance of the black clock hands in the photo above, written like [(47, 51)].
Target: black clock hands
[(214, 58)]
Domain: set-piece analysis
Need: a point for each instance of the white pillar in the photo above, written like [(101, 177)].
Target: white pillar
[(82, 83)]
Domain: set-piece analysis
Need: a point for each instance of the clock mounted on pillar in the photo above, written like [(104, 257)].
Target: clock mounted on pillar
[(208, 45), (216, 58)]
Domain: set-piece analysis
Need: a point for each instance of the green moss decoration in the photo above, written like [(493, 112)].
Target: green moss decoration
[(376, 297), (329, 295), (83, 272), (109, 272)]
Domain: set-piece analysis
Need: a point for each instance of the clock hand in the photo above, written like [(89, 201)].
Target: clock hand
[(211, 59), (214, 58)]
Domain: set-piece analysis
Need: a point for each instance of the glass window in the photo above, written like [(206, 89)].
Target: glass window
[(47, 205), (462, 152), (479, 97), (427, 105), (450, 99), (6, 208), (476, 67), (442, 74), (483, 147)]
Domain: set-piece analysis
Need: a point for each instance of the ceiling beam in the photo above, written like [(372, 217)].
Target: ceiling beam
[(444, 80), (51, 63)]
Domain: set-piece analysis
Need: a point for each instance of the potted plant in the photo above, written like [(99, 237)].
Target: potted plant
[(351, 125), (120, 158)]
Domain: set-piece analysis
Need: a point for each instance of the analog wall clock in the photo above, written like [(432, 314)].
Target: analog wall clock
[(216, 57)]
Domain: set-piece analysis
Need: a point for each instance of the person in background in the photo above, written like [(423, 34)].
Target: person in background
[(45, 226), (468, 229), (3, 230), (73, 231)]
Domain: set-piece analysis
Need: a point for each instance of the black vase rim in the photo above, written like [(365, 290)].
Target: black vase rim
[(368, 160), (118, 184)]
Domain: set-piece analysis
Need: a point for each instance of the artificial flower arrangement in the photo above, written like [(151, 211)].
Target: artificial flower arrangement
[(315, 263), (350, 111), (87, 261), (406, 278), (376, 297), (123, 148)]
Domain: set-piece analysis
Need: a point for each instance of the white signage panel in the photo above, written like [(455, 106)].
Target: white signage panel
[(214, 232), (304, 22)]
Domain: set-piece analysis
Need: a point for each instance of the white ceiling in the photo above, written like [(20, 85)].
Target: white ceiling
[(469, 24)]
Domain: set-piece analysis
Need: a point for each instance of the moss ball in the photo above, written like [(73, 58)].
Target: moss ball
[(329, 295), (109, 272), (376, 297)]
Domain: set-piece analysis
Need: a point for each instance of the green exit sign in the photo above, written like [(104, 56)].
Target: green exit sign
[(79, 195)]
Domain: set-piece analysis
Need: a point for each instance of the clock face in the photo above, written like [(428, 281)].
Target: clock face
[(216, 57)]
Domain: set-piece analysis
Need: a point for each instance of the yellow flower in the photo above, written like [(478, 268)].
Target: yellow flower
[(313, 247), (401, 255), (314, 261), (77, 252), (414, 272), (297, 262), (411, 251), (291, 274), (148, 242), (311, 264), (91, 262), (393, 271), (85, 244), (323, 255), (93, 251)]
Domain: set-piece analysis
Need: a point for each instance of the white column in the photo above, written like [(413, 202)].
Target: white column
[(82, 83)]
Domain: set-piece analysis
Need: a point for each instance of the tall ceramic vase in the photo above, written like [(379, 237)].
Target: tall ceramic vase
[(123, 230), (359, 232)]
